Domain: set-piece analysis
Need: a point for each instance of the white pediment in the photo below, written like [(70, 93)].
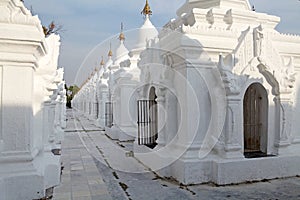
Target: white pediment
[(206, 4), (20, 28), (14, 12)]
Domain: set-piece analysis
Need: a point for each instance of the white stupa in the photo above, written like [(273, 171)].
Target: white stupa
[(145, 33)]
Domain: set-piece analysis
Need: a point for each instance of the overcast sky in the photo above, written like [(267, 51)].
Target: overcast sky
[(87, 23)]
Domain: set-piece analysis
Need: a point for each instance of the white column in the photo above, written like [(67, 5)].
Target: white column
[(233, 129), (284, 118), (161, 109)]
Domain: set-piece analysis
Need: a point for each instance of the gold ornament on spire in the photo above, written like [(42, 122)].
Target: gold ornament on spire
[(110, 53), (102, 62), (122, 36), (147, 10)]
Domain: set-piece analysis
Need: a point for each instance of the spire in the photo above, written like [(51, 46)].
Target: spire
[(121, 52), (110, 54), (122, 36), (147, 10), (102, 62)]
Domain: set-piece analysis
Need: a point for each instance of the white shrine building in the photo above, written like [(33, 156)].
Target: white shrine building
[(32, 105), (215, 95)]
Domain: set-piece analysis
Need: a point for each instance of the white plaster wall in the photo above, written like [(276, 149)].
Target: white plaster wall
[(173, 116), (194, 99), (296, 112), (1, 131), (24, 81), (17, 107)]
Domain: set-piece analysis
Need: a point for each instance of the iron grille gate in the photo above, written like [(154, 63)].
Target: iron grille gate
[(147, 122), (90, 108), (108, 114), (97, 110)]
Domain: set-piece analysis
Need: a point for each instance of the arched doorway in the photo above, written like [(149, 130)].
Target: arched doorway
[(108, 114), (147, 120), (255, 121), (153, 117)]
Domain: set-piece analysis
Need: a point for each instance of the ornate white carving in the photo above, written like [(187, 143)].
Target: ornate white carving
[(231, 81), (258, 37), (288, 77), (228, 19), (210, 17), (125, 64), (14, 12)]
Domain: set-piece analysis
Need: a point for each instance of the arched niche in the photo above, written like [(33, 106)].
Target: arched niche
[(255, 115)]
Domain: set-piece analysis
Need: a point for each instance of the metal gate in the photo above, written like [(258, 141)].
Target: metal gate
[(108, 114), (90, 108), (147, 122), (97, 109)]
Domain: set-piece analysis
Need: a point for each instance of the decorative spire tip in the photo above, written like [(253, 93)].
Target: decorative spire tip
[(110, 53), (102, 62), (122, 36), (147, 10)]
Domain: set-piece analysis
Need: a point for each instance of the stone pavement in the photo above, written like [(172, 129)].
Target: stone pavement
[(80, 178), (96, 167)]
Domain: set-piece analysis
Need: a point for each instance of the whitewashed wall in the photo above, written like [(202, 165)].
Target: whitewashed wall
[(32, 104)]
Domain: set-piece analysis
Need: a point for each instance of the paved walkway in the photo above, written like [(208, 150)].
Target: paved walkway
[(80, 179), (92, 164)]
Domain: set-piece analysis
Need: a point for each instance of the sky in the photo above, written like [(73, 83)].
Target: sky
[(89, 26)]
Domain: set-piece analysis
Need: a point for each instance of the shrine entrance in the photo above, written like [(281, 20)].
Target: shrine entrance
[(97, 109), (255, 121), (147, 120), (108, 114)]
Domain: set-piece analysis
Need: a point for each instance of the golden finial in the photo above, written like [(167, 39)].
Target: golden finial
[(122, 36), (102, 62), (147, 9), (110, 53)]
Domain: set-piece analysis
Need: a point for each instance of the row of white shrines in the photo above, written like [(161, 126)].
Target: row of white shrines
[(32, 105), (212, 97)]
